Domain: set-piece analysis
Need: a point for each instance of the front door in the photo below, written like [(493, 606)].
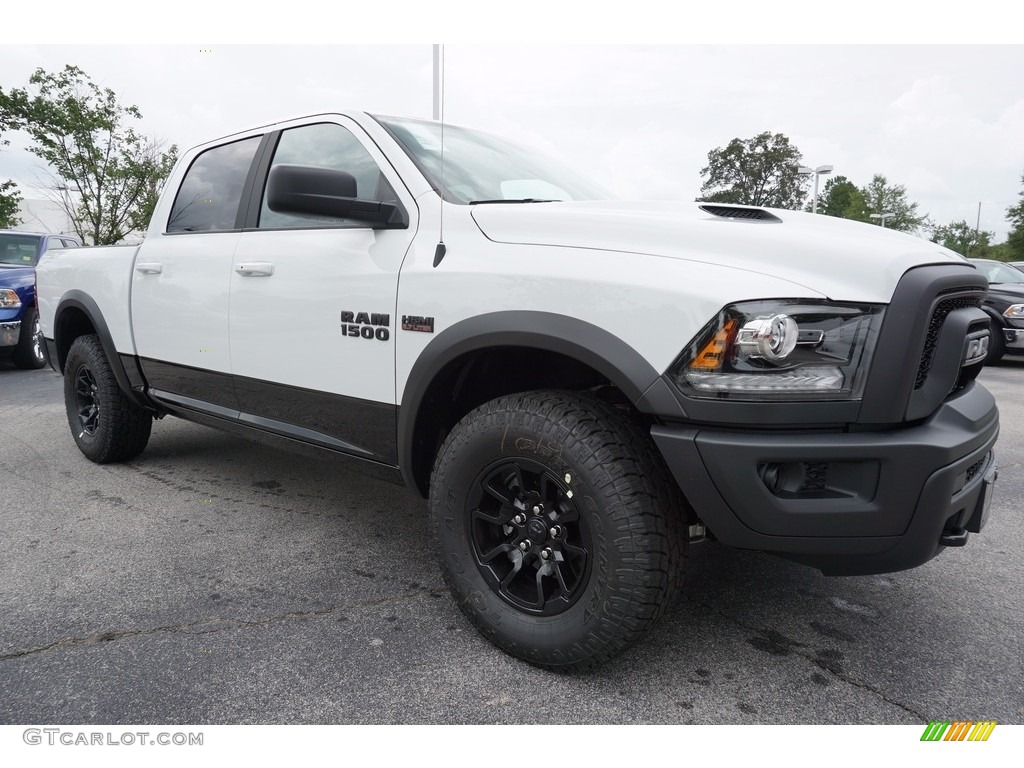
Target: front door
[(312, 319)]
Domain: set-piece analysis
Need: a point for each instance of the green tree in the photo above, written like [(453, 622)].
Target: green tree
[(757, 171), (961, 237), (10, 199), (841, 198), (107, 174), (885, 198), (999, 252), (1015, 239)]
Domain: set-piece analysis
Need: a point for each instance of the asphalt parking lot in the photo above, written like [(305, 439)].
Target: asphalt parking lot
[(214, 580)]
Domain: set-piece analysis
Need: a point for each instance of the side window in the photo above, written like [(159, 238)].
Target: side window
[(69, 243), (329, 146), (209, 194)]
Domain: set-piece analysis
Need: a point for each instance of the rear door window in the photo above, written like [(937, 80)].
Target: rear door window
[(211, 190)]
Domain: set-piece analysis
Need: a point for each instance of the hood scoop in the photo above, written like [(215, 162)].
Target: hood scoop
[(748, 214)]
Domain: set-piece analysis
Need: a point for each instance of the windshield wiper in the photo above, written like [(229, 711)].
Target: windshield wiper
[(522, 200)]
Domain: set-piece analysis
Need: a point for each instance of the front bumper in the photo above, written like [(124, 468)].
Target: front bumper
[(847, 503), (1014, 339), (10, 333)]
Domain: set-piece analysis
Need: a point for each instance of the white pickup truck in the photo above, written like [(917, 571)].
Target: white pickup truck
[(580, 387)]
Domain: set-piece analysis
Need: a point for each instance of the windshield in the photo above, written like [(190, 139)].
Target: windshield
[(481, 168), (998, 273), (22, 250)]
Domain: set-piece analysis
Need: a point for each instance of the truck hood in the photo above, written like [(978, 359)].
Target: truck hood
[(844, 260), (1012, 292)]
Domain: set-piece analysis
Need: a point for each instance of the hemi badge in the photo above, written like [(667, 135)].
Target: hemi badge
[(417, 323)]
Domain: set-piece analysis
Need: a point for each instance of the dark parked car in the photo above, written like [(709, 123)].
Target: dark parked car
[(20, 337), (1005, 306)]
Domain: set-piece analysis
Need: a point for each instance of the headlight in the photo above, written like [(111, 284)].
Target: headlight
[(1015, 312), (781, 350), (9, 299)]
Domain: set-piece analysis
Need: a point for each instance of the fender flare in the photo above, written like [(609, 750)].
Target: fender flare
[(75, 299), (595, 347)]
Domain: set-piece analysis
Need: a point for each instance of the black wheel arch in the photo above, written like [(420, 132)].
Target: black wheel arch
[(77, 315), (588, 347)]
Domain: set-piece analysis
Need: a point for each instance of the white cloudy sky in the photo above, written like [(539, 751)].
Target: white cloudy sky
[(946, 121)]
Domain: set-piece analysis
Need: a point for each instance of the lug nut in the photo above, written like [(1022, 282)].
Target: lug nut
[(526, 545), (546, 553), (538, 508), (519, 519), (556, 532)]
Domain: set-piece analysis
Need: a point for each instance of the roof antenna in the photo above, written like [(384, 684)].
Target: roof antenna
[(440, 251)]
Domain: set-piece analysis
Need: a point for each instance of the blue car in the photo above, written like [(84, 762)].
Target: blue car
[(20, 337)]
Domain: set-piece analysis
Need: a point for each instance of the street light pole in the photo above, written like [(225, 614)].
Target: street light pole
[(821, 170), (883, 216)]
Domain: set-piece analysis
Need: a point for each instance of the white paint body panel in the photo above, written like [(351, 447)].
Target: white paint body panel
[(654, 304), (844, 260), (286, 327), (180, 315), (103, 273)]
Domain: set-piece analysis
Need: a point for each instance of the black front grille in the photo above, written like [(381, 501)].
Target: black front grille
[(753, 214), (939, 314)]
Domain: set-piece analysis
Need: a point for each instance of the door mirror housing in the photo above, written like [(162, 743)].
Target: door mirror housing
[(310, 190)]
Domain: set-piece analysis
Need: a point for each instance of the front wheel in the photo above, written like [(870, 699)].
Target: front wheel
[(996, 344), (560, 531), (29, 353), (106, 425)]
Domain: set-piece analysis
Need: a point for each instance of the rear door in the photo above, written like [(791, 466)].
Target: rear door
[(312, 319), (182, 277)]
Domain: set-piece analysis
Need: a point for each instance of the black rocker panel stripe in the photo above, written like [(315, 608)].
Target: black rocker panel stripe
[(362, 428)]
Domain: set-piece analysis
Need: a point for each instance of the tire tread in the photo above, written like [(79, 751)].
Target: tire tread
[(647, 510)]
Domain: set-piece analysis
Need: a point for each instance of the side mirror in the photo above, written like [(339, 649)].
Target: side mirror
[(309, 190)]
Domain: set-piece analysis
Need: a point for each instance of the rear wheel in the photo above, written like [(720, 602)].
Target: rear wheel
[(106, 425), (560, 531), (29, 352)]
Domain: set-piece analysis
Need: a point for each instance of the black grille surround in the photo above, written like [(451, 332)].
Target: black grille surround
[(931, 312), (939, 315)]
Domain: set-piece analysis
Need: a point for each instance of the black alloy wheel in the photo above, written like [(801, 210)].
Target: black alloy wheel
[(86, 402), (529, 540)]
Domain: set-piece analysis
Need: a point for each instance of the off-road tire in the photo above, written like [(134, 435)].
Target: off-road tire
[(117, 430), (29, 355), (593, 457)]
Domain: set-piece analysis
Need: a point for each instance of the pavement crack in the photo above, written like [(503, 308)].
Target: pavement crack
[(773, 638), (208, 626)]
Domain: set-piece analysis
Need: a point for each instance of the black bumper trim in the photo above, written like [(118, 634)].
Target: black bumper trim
[(894, 524)]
